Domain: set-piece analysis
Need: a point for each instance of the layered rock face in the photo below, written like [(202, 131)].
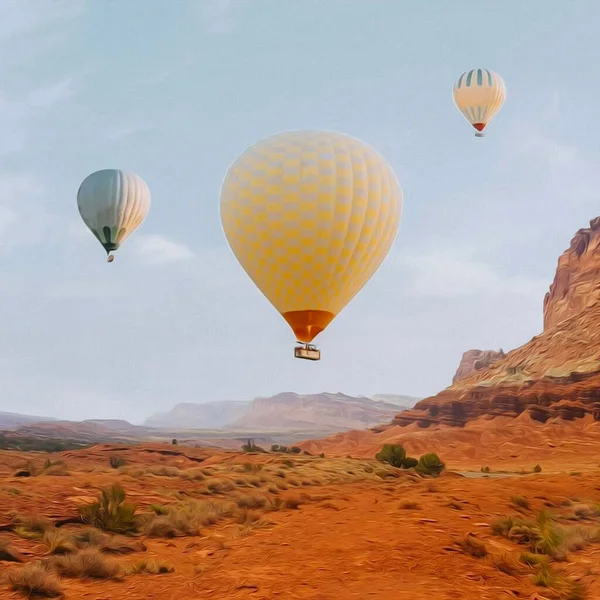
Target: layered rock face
[(556, 374), (576, 283), (475, 360)]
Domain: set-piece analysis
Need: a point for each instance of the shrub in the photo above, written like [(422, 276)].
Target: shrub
[(34, 580), (520, 502), (394, 454), (174, 442), (152, 567), (537, 469), (85, 564), (32, 527), (59, 542), (295, 450), (430, 464), (471, 545), (7, 552), (485, 469), (409, 463), (116, 461), (110, 512)]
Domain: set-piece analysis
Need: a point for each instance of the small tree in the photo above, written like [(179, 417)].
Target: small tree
[(174, 442), (537, 469), (430, 464), (394, 454)]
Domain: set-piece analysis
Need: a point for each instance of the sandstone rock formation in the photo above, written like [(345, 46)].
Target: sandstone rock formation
[(576, 283), (324, 411), (555, 375), (475, 360)]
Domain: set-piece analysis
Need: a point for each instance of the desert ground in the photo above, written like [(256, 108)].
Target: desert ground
[(198, 523)]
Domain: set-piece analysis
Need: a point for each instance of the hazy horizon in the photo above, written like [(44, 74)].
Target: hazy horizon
[(176, 92)]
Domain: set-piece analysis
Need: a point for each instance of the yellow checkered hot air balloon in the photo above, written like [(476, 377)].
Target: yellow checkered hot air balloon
[(479, 94), (310, 216)]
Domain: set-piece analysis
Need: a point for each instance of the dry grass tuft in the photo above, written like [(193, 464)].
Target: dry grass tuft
[(87, 564), (8, 553), (34, 581), (59, 542), (471, 545), (151, 566), (32, 527)]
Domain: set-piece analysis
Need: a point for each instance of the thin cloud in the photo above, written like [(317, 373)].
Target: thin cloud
[(448, 276), (158, 250)]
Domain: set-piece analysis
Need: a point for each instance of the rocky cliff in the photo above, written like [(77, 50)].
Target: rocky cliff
[(576, 283), (325, 411), (555, 375), (475, 360)]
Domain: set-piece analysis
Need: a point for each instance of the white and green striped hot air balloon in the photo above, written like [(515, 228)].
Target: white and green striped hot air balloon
[(479, 94), (113, 204)]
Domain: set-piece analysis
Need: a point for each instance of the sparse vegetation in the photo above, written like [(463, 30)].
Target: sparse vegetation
[(111, 512), (7, 552), (520, 502), (58, 542), (34, 581), (430, 464), (250, 446), (151, 567), (471, 545), (85, 564), (537, 469), (393, 454), (116, 461)]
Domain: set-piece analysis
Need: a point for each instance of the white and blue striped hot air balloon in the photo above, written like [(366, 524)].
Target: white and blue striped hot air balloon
[(479, 94), (113, 204)]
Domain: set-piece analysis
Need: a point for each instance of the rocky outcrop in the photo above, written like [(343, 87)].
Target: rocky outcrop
[(475, 360), (285, 411), (554, 375), (324, 411), (206, 415), (577, 280)]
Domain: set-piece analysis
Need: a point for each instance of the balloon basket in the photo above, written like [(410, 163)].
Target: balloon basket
[(307, 352), (478, 134)]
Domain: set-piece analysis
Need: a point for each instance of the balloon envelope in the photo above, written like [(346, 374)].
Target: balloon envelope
[(310, 215), (113, 204), (479, 94)]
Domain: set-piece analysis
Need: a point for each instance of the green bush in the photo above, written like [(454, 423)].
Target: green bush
[(394, 454), (295, 450), (409, 463), (430, 464), (110, 512), (537, 469)]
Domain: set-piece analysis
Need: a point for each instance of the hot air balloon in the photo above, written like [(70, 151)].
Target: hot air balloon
[(479, 94), (113, 204), (310, 216)]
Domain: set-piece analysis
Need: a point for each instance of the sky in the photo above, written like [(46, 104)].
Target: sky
[(175, 91)]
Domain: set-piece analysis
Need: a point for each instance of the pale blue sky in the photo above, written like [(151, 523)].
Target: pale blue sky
[(176, 90)]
